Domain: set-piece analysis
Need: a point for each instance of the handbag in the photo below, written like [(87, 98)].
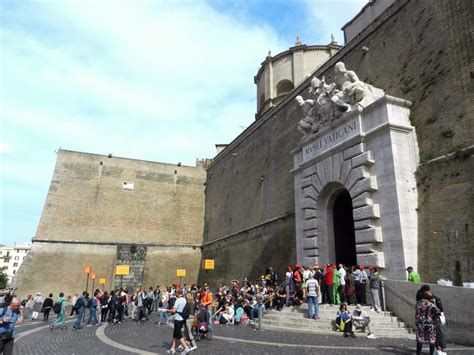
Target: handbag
[(342, 325), (442, 318)]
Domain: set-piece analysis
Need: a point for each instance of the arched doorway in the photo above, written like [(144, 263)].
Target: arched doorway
[(344, 235)]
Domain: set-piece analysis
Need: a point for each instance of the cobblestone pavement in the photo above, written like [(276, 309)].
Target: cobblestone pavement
[(147, 338)]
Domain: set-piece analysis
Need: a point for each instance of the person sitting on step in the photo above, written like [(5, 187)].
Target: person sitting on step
[(361, 321)]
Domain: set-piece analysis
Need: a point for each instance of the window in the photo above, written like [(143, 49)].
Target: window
[(14, 271), (5, 268), (24, 257), (15, 264), (1, 252), (284, 87), (17, 257), (17, 251)]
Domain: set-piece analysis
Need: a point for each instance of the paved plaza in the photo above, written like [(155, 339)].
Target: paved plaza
[(148, 338)]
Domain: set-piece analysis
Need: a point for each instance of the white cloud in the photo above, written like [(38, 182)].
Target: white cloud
[(5, 148)]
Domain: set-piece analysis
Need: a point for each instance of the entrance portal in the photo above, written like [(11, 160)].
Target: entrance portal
[(344, 235)]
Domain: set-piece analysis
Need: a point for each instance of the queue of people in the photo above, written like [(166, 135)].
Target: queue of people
[(198, 310)]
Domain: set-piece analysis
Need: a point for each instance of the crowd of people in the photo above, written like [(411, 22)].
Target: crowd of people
[(198, 310)]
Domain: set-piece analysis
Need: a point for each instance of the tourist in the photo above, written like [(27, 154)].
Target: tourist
[(360, 320), (104, 306), (9, 316), (374, 284), (360, 280), (312, 290), (141, 305), (112, 305), (426, 317), (289, 286), (46, 307), (151, 300), (37, 303), (27, 303), (80, 306), (206, 301), (329, 282), (342, 278), (298, 279), (92, 306), (61, 318), (413, 275), (179, 321), (74, 300), (336, 287), (156, 297), (440, 337), (164, 305), (344, 321), (226, 314), (319, 277)]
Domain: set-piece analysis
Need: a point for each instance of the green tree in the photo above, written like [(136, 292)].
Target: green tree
[(3, 280)]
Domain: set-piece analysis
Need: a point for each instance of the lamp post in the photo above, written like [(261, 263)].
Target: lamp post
[(94, 276), (87, 270)]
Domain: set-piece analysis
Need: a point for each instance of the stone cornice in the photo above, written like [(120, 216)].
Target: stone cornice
[(158, 245)]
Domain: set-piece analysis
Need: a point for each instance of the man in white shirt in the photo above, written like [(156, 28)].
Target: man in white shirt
[(179, 321), (342, 275), (312, 289)]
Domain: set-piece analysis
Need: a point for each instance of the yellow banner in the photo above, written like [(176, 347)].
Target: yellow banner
[(209, 264), (181, 272), (102, 280), (122, 270)]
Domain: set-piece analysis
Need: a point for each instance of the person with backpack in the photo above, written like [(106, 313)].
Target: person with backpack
[(9, 316), (47, 306), (92, 306), (59, 308), (142, 302), (80, 306), (182, 310)]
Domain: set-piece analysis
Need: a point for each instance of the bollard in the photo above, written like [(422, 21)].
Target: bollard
[(260, 315)]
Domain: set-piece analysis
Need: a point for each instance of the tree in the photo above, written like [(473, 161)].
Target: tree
[(3, 280)]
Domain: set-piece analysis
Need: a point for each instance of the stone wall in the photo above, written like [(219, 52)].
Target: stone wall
[(418, 50), (87, 202), (88, 213), (458, 316)]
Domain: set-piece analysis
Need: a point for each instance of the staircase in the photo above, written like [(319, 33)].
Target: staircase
[(384, 324)]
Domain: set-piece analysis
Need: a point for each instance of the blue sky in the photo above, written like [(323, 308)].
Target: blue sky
[(154, 80)]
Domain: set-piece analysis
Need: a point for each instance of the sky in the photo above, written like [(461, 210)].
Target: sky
[(154, 80)]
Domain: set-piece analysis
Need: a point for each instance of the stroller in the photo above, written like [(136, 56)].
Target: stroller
[(201, 325)]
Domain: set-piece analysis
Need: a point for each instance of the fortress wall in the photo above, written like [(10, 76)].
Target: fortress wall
[(86, 201), (87, 214), (418, 50)]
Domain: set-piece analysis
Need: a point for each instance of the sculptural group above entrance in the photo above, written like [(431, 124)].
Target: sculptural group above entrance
[(328, 102)]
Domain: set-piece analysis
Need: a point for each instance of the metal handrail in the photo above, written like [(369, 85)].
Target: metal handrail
[(394, 292)]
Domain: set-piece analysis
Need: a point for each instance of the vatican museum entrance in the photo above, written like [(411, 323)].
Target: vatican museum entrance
[(344, 235)]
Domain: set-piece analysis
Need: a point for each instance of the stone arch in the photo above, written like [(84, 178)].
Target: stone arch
[(322, 182), (284, 87)]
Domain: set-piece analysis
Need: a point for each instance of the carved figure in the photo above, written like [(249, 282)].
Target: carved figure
[(351, 89), (330, 101), (305, 126)]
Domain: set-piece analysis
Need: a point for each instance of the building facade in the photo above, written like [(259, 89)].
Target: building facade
[(11, 258)]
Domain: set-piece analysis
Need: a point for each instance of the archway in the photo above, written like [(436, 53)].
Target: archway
[(344, 235)]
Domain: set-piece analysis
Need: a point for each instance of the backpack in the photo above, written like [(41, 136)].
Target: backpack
[(57, 307), (186, 312)]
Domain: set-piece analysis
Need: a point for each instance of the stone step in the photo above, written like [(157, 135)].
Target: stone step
[(378, 333), (312, 324), (329, 316), (376, 321)]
